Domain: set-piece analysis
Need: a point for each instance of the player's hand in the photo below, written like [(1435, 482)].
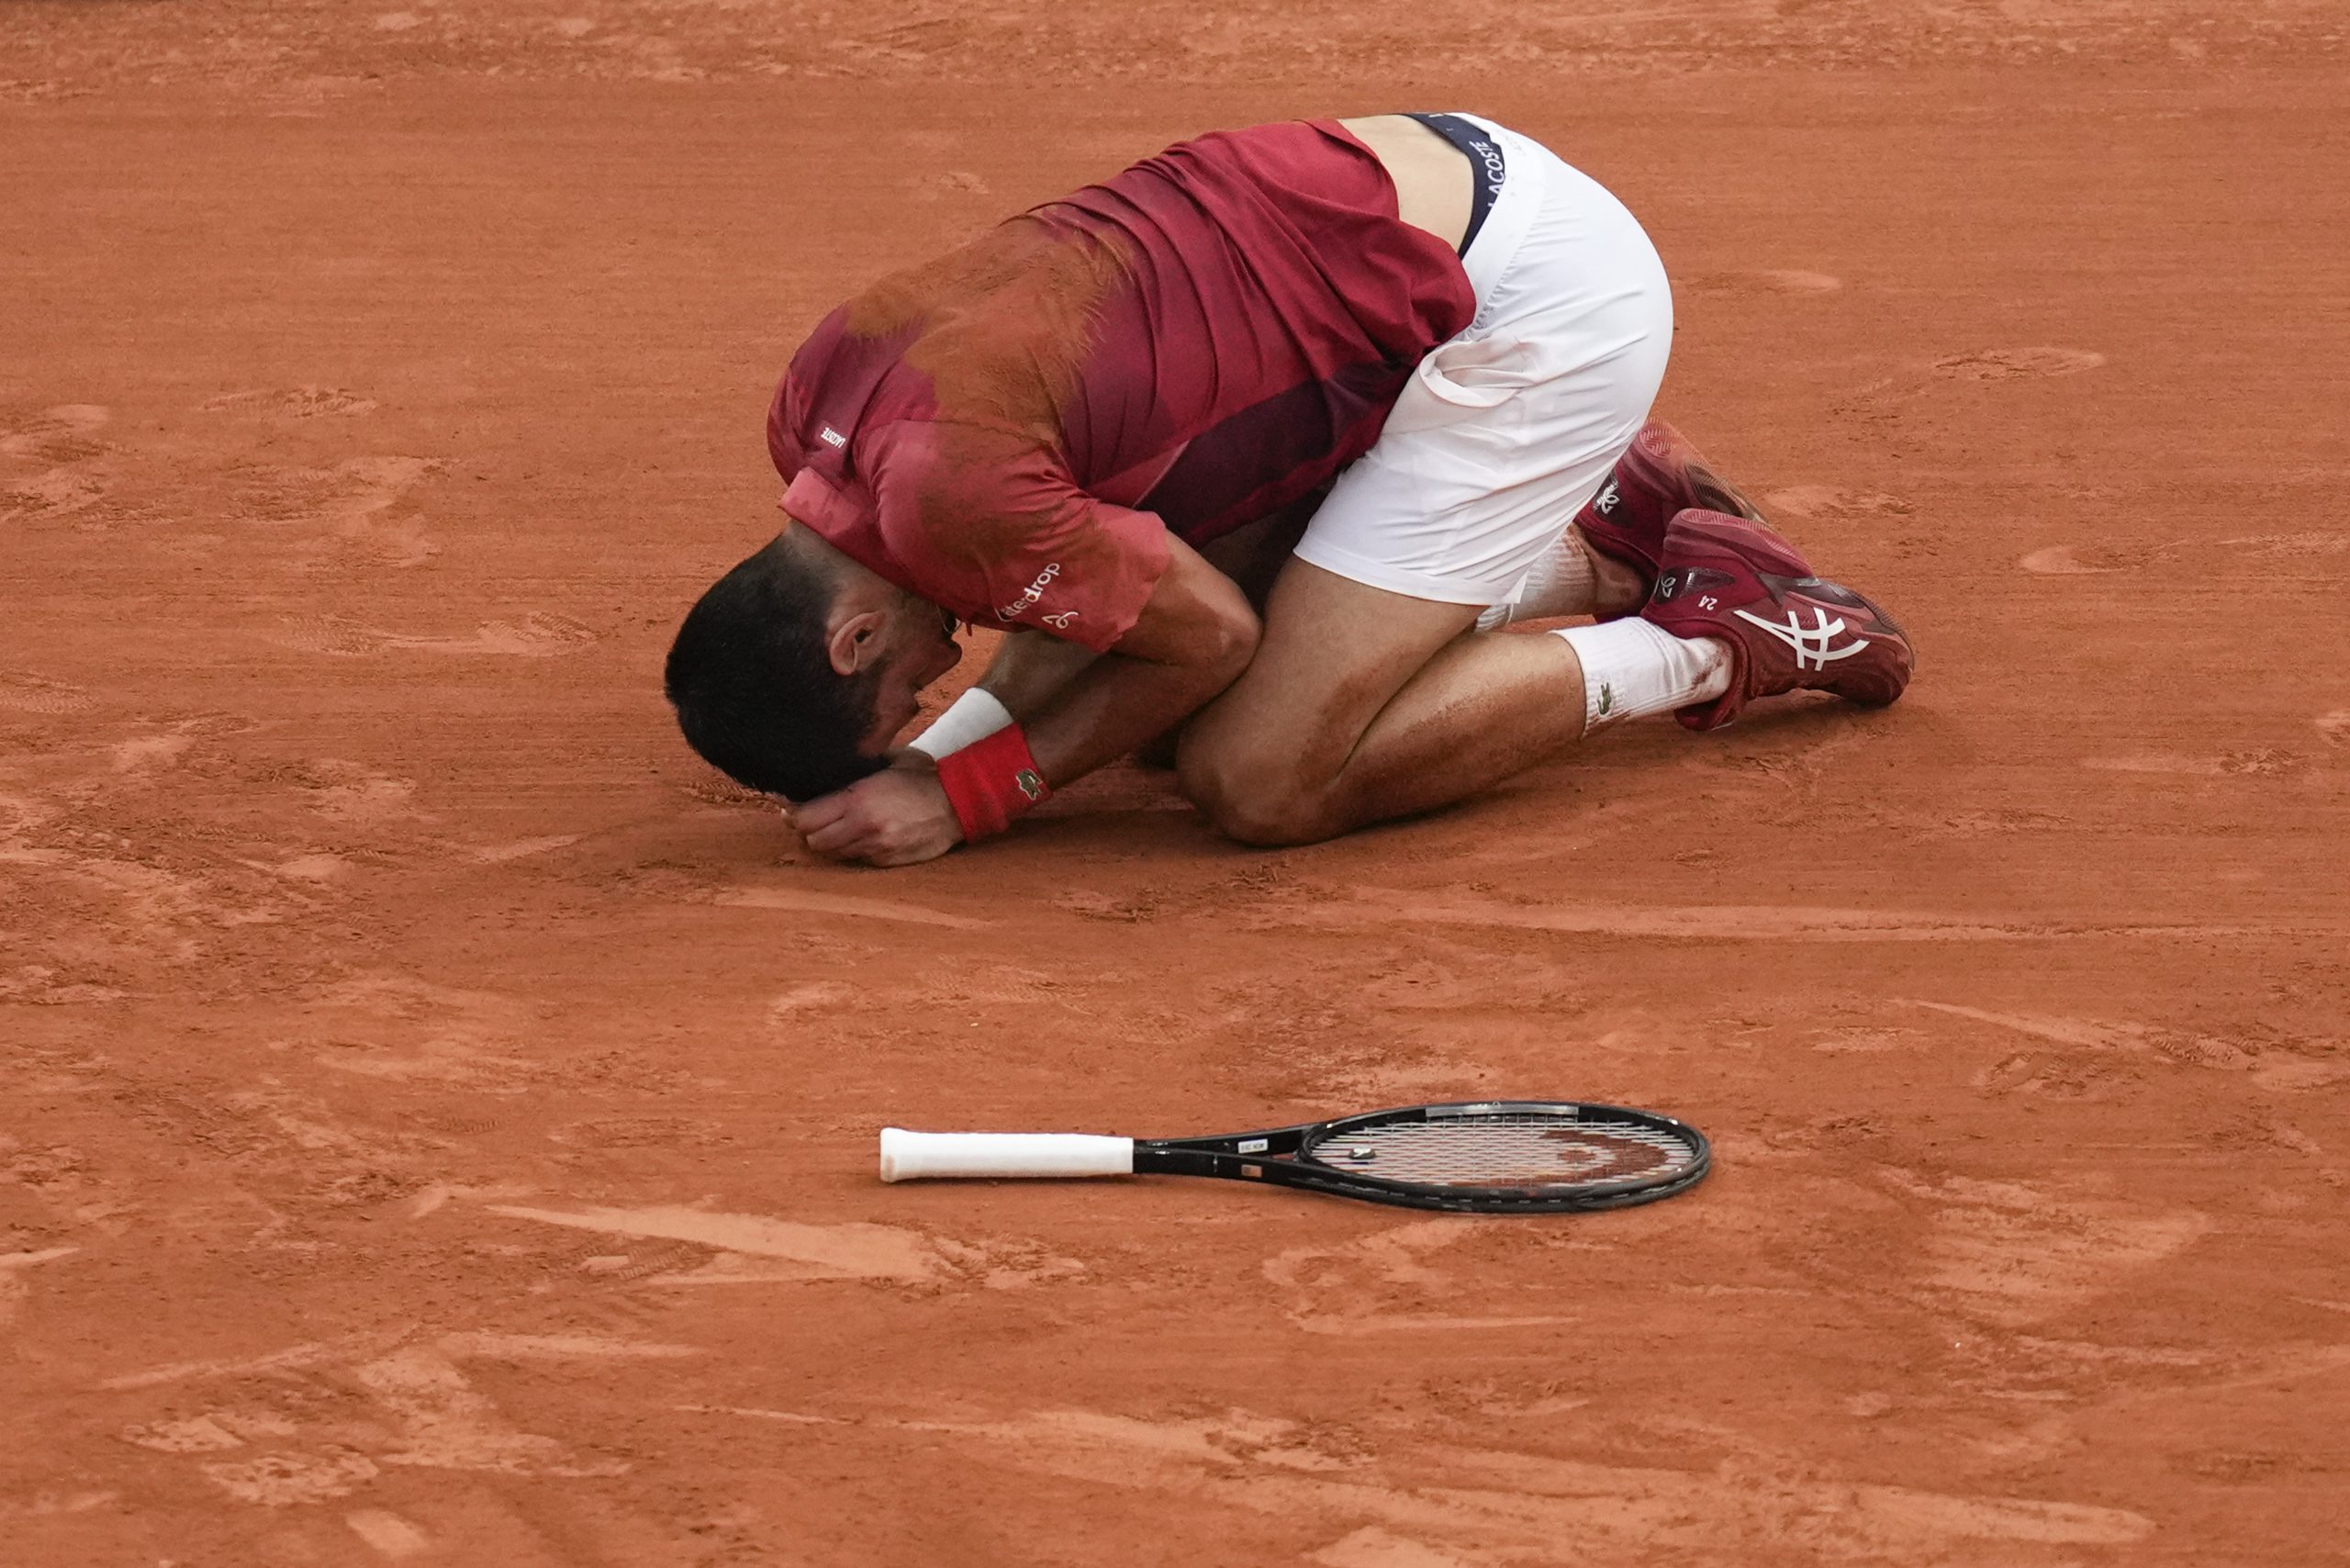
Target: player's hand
[(899, 816)]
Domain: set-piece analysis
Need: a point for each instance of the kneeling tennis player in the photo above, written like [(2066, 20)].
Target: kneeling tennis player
[(1424, 335)]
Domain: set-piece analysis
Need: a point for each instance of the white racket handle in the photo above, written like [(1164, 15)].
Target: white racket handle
[(910, 1156)]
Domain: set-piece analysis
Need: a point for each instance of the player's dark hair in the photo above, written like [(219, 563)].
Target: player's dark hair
[(755, 692)]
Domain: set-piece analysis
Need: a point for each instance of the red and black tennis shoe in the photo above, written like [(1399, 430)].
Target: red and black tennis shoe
[(1788, 630), (1660, 476)]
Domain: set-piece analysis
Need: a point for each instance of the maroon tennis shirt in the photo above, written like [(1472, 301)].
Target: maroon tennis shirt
[(1010, 431)]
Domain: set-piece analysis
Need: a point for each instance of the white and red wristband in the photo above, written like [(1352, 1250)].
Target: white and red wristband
[(992, 781), (974, 716)]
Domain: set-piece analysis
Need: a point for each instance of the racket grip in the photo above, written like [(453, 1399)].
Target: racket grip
[(908, 1157)]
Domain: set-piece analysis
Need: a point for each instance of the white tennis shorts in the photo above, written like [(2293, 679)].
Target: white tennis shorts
[(1505, 430)]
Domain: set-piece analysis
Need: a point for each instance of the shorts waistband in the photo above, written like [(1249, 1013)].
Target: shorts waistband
[(1489, 167), (1489, 247)]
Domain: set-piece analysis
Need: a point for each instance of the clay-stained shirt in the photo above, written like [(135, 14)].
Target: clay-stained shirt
[(1011, 430)]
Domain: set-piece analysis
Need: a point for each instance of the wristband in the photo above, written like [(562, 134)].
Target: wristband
[(992, 781), (974, 716)]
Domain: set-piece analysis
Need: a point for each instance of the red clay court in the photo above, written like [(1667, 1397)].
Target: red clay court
[(436, 1114)]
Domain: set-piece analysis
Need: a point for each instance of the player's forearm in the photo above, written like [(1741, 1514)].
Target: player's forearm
[(1116, 704), (1030, 668), (1193, 638)]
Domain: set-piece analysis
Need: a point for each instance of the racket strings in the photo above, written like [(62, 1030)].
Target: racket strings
[(1508, 1149)]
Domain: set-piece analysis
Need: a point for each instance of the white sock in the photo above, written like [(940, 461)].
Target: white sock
[(974, 716), (1561, 582), (1634, 667)]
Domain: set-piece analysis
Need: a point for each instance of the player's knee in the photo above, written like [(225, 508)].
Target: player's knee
[(1250, 801), (1269, 823)]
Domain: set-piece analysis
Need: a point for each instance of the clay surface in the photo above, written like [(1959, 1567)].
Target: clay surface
[(437, 1115)]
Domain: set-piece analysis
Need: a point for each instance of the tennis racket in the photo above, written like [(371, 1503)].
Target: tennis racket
[(1489, 1157)]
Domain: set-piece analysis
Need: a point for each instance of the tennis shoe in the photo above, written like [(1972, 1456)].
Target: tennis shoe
[(1659, 476), (1789, 629)]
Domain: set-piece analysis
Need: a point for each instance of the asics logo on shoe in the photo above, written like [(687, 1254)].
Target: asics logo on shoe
[(1814, 646)]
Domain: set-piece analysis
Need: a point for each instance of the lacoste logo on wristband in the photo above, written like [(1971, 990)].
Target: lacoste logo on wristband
[(1031, 783)]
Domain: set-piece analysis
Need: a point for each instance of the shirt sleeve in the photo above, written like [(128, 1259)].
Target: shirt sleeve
[(989, 523)]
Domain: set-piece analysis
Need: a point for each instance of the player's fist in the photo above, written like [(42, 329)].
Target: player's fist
[(899, 816)]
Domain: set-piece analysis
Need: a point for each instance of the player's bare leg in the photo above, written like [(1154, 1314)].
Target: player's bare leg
[(1362, 705), (1423, 710), (1606, 563), (1572, 578)]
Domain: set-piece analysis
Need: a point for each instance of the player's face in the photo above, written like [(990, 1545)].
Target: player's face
[(922, 650)]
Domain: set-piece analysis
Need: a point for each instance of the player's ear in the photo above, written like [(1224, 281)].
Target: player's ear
[(853, 642)]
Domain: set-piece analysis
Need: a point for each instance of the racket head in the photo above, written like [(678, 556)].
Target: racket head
[(1503, 1156)]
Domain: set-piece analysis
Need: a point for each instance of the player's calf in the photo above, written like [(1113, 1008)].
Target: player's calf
[(1605, 564)]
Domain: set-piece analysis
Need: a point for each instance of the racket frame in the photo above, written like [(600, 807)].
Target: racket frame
[(1279, 1157)]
